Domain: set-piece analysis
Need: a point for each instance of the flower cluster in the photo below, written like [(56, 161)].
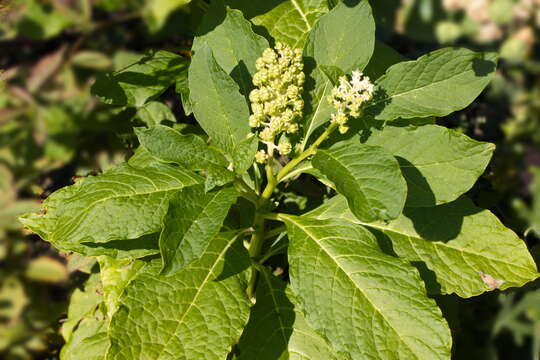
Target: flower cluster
[(277, 101), (348, 97)]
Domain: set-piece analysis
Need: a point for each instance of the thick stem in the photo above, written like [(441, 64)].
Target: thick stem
[(271, 183), (255, 247), (258, 237)]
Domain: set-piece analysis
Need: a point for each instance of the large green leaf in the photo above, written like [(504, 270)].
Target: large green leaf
[(144, 78), (435, 84), (190, 151), (193, 219), (467, 248), (366, 303), (123, 203), (198, 313), (276, 330), (439, 164), (234, 44), (367, 175), (217, 103), (335, 42), (287, 21)]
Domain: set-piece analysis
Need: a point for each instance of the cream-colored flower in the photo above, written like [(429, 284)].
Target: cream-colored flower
[(277, 102), (348, 98), (284, 146), (261, 156)]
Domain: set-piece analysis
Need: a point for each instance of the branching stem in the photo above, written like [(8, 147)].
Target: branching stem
[(258, 237), (306, 153)]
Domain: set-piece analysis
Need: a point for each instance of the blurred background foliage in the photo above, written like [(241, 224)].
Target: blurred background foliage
[(54, 129)]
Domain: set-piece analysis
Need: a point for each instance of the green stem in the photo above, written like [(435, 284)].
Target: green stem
[(255, 247), (271, 183), (308, 152), (271, 216), (258, 237), (274, 232)]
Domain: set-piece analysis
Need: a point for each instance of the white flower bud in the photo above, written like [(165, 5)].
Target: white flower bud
[(284, 146), (292, 128), (269, 56), (253, 121), (278, 101), (260, 64), (292, 91), (343, 129), (267, 135), (348, 98), (261, 156), (254, 96)]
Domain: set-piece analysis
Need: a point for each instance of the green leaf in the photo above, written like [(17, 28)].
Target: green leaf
[(368, 176), (154, 113), (142, 246), (85, 330), (217, 103), (334, 42), (92, 60), (46, 269), (169, 145), (143, 79), (142, 158), (435, 84), (123, 203), (89, 342), (182, 88), (366, 303), (156, 12), (383, 57), (243, 155), (287, 21), (190, 151), (276, 330), (40, 21), (439, 164), (332, 73), (198, 312), (459, 242), (234, 44), (82, 303), (115, 277), (193, 219)]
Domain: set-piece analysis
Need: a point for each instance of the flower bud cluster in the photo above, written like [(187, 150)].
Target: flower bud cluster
[(348, 98), (277, 101)]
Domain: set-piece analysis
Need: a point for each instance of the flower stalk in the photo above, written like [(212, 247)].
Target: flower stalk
[(277, 105)]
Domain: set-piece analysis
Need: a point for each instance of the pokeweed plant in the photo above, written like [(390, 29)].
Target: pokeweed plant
[(186, 232)]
